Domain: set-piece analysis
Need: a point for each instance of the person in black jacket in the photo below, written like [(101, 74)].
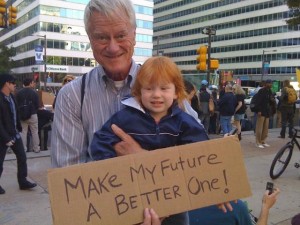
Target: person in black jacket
[(227, 104), (10, 127), (264, 101), (28, 95), (45, 117)]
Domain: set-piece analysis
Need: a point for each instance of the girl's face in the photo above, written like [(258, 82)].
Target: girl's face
[(158, 99)]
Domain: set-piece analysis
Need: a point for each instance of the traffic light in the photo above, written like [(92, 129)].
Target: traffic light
[(214, 64), (12, 15), (2, 7), (201, 58)]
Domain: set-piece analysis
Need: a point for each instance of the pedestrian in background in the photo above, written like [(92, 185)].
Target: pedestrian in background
[(28, 95), (240, 108), (227, 104), (287, 108), (264, 101), (260, 86), (45, 118), (192, 97), (67, 79), (204, 97), (10, 126), (214, 117)]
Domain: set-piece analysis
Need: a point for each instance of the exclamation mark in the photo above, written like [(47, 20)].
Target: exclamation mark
[(226, 190)]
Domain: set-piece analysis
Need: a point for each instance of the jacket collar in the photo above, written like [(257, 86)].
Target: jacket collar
[(134, 103)]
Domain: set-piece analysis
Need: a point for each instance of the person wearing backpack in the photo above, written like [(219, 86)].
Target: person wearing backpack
[(28, 102), (287, 108)]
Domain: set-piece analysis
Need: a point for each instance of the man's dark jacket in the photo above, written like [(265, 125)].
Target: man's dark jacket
[(30, 95), (264, 98), (7, 128)]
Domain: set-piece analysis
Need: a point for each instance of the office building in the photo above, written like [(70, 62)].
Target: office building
[(60, 25), (248, 33)]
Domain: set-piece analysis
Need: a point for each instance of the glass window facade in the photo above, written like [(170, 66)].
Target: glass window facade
[(66, 41), (243, 32)]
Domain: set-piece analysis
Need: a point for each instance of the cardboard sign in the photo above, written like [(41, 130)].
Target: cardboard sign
[(170, 180)]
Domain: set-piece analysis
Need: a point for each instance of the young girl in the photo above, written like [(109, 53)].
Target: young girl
[(152, 116)]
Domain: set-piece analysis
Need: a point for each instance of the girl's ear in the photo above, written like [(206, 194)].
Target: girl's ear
[(175, 96)]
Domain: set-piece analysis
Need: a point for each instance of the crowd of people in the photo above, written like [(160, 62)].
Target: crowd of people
[(161, 102)]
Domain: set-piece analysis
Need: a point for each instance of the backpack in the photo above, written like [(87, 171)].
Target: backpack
[(25, 110), (253, 104), (291, 95)]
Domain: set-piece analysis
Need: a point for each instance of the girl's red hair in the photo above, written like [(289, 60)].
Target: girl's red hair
[(159, 70)]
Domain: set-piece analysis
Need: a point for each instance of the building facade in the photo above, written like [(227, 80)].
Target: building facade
[(248, 33), (58, 25)]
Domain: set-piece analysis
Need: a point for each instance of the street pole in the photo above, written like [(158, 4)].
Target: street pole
[(45, 62), (262, 65), (208, 57), (157, 44), (208, 31), (44, 77), (263, 62)]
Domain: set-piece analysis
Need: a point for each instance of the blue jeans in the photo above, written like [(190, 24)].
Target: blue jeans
[(225, 122)]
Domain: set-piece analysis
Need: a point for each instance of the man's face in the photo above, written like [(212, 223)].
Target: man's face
[(269, 85), (32, 84), (112, 41), (11, 85)]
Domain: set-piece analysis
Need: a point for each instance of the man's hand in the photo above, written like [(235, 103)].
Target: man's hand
[(226, 206), (150, 218), (128, 145), (10, 143), (269, 200)]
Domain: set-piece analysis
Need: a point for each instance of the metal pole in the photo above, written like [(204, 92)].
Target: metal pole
[(262, 65), (208, 56), (45, 61), (157, 45)]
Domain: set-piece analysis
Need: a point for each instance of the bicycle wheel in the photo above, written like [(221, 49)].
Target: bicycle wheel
[(281, 161)]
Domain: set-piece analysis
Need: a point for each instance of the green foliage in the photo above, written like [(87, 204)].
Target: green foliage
[(294, 6), (6, 63)]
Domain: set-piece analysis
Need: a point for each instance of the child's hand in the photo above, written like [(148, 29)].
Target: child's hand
[(128, 145)]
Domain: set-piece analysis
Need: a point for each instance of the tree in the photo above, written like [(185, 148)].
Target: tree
[(6, 63), (294, 6)]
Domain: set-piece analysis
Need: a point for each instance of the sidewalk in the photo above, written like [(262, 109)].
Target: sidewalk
[(32, 207)]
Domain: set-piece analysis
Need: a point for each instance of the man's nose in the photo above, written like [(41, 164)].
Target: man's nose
[(112, 46)]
